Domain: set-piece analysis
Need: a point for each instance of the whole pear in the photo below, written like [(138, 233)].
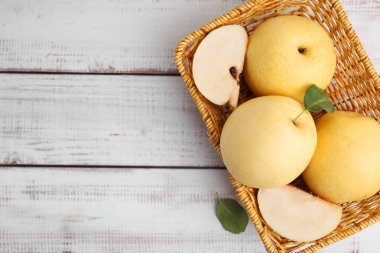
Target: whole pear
[(262, 147), (287, 54), (346, 163)]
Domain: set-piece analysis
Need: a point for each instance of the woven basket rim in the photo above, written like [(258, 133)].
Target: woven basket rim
[(244, 196)]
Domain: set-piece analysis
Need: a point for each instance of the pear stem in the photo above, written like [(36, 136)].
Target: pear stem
[(299, 115)]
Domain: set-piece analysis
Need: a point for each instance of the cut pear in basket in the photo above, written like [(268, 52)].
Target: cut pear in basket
[(346, 163), (298, 215), (218, 63)]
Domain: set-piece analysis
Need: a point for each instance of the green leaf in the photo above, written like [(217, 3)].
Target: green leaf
[(231, 215), (316, 100)]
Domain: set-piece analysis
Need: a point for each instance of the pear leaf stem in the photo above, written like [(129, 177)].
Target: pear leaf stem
[(316, 100), (299, 115)]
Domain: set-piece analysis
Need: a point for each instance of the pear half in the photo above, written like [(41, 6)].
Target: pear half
[(298, 215), (218, 63)]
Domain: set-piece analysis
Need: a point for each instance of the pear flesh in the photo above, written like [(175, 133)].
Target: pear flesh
[(298, 215), (218, 63)]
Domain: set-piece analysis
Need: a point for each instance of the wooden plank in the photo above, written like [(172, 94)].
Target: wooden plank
[(99, 35), (365, 17), (100, 120), (133, 210), (108, 36)]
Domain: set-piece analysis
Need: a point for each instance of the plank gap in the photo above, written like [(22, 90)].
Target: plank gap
[(90, 73), (100, 166)]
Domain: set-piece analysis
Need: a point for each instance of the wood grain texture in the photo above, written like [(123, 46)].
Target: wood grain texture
[(100, 120), (134, 210), (107, 36)]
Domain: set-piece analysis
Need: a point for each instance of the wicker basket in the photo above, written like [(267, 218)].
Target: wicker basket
[(355, 87)]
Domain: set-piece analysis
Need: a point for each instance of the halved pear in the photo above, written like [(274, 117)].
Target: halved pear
[(218, 63), (298, 215)]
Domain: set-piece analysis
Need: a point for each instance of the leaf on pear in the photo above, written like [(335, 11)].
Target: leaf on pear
[(231, 215), (316, 100)]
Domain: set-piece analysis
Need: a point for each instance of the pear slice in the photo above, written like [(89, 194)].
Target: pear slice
[(218, 63), (298, 215)]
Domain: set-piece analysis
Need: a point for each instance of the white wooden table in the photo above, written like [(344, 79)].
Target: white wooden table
[(101, 147)]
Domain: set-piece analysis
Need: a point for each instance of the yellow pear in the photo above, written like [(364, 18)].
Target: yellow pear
[(298, 215), (287, 54), (346, 163), (262, 147)]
